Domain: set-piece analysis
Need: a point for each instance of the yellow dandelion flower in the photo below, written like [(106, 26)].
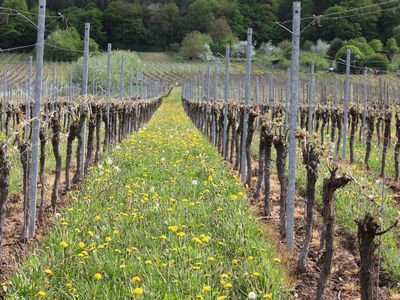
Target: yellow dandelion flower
[(97, 218), (108, 239), (41, 293), (63, 244), (135, 279), (81, 245), (97, 276), (221, 297), (235, 262), (122, 267), (197, 240), (227, 285), (224, 275), (163, 236), (206, 288), (148, 262), (137, 291), (68, 285), (48, 272), (250, 258), (173, 228), (267, 296), (181, 234)]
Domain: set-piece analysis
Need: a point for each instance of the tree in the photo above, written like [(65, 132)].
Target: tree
[(368, 19), (14, 29), (220, 29), (261, 17), (377, 62), (193, 44), (362, 45), (164, 24), (335, 46), (123, 23), (77, 17), (396, 33), (376, 44), (201, 14), (356, 62), (344, 28), (391, 44), (66, 45)]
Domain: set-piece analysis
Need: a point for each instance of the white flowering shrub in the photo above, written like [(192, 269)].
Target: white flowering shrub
[(270, 49), (239, 49), (206, 53), (321, 47)]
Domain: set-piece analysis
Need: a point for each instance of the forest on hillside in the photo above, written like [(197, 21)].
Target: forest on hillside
[(163, 25)]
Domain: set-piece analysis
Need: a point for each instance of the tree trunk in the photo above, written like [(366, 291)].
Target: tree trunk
[(55, 141), (281, 154), (267, 169), (386, 140), (42, 174), (77, 176), (98, 135), (4, 177), (250, 133), (370, 130), (397, 148), (330, 186), (311, 160), (368, 229), (24, 157), (71, 137), (353, 123)]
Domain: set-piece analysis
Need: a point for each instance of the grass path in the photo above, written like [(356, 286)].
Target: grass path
[(161, 218)]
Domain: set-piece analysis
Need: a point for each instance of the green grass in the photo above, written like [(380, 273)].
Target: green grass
[(139, 224), (16, 173)]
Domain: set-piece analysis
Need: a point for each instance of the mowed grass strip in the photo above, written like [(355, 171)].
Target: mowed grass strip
[(160, 218)]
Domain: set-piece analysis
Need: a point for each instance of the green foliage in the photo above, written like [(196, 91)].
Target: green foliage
[(306, 58), (164, 24), (98, 71), (2, 137), (77, 17), (307, 45), (391, 44), (344, 28), (156, 25), (362, 45), (377, 62), (14, 29), (220, 30), (124, 25), (396, 33), (336, 45), (376, 44), (193, 43), (356, 59), (220, 47), (66, 45)]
